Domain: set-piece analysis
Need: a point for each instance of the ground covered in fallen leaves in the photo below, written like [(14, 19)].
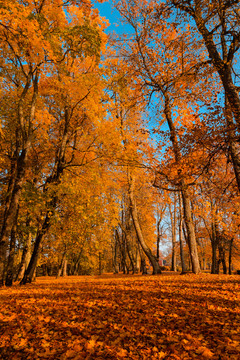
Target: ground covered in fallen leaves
[(122, 317)]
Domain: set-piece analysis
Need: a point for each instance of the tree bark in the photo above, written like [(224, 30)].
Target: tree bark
[(10, 213), (184, 269), (192, 243), (174, 238), (29, 272), (64, 270), (10, 264), (61, 266), (146, 249), (114, 255), (158, 239), (17, 180), (222, 63), (26, 255), (233, 143), (122, 252), (230, 257)]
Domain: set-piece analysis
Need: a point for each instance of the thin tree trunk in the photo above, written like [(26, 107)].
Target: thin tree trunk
[(190, 231), (146, 249), (64, 271), (223, 67), (158, 239), (99, 263), (214, 243), (114, 256), (233, 143), (130, 256), (60, 269), (26, 256), (126, 238), (230, 257), (192, 243), (10, 264), (143, 267), (29, 272), (122, 252), (173, 226), (184, 269), (222, 254)]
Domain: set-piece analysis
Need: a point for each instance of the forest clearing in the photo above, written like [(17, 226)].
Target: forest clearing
[(119, 153), (167, 316)]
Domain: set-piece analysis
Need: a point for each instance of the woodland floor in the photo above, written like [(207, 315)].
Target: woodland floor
[(122, 317)]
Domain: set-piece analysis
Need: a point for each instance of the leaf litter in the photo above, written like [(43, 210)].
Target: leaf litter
[(122, 317)]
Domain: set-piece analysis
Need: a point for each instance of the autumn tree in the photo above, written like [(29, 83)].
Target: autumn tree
[(218, 24), (25, 48), (158, 65), (51, 51), (134, 149)]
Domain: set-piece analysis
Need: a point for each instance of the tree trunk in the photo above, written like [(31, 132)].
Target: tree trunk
[(193, 252), (29, 272), (184, 269), (61, 266), (222, 254), (158, 240), (10, 213), (221, 62), (214, 243), (173, 226), (114, 255), (230, 257), (146, 249), (233, 143), (130, 256), (192, 243), (223, 68), (99, 263), (143, 267), (10, 264), (21, 157), (26, 255), (122, 248), (64, 272)]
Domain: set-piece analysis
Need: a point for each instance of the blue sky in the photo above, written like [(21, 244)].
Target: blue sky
[(107, 10)]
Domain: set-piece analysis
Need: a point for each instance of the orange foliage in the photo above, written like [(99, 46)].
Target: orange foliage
[(122, 317)]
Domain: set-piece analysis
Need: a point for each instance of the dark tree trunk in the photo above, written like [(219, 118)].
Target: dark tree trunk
[(10, 264), (122, 252), (214, 243), (29, 272), (100, 269), (222, 254), (23, 136), (10, 213), (184, 269), (221, 53), (26, 254), (230, 257), (174, 240), (233, 142), (114, 256)]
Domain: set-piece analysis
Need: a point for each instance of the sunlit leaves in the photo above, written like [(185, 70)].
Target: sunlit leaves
[(168, 317)]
